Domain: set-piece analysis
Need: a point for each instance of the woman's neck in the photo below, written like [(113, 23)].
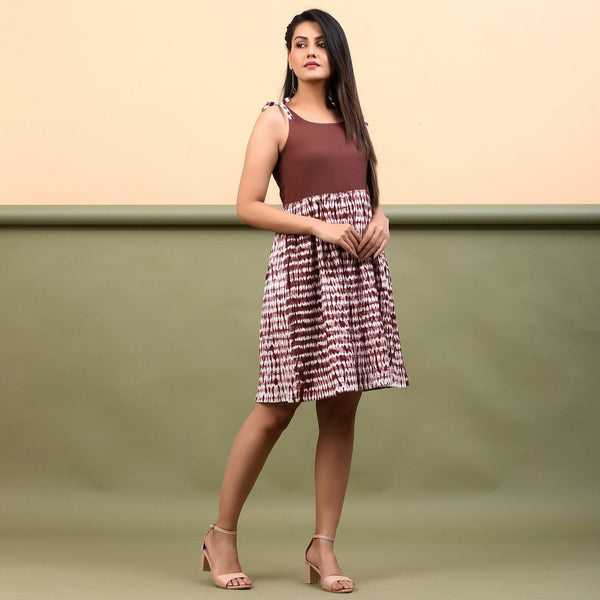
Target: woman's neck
[(311, 95)]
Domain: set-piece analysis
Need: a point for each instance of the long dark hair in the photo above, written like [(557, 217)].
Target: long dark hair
[(342, 87)]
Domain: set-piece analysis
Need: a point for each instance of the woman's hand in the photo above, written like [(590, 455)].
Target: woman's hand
[(375, 237), (341, 234)]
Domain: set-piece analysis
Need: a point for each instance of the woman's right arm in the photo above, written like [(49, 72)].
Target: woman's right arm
[(267, 137)]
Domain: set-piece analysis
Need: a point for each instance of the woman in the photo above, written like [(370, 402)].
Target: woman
[(328, 327)]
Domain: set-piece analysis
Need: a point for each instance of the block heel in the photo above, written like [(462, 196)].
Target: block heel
[(312, 575)]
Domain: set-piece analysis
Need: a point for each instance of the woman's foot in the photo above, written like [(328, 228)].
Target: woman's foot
[(222, 552), (320, 553)]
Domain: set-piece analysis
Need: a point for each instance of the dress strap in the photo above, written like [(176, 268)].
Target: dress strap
[(281, 105)]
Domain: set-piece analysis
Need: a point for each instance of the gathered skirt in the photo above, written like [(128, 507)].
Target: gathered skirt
[(328, 322)]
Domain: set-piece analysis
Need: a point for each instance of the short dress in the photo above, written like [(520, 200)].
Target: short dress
[(328, 322)]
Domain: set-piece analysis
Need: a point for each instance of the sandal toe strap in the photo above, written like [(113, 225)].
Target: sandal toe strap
[(224, 579), (327, 581)]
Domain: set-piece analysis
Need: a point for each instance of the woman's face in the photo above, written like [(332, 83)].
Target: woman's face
[(308, 57)]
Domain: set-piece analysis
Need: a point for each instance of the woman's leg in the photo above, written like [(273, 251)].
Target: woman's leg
[(251, 447), (336, 418)]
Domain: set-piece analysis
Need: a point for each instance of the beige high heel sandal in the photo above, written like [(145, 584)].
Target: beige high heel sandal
[(313, 574), (221, 581)]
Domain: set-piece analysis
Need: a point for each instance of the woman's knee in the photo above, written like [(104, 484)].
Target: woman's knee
[(275, 417), (339, 411)]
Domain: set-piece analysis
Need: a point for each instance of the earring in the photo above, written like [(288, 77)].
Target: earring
[(293, 87)]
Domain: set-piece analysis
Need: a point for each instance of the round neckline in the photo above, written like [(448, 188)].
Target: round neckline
[(314, 122)]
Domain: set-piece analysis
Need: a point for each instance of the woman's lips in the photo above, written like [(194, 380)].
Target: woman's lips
[(308, 65)]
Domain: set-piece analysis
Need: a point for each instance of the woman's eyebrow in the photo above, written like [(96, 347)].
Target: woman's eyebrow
[(303, 37)]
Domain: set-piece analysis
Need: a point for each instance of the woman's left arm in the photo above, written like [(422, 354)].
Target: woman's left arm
[(376, 235)]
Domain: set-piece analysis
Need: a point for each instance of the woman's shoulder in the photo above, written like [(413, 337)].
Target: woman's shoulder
[(272, 123), (275, 117)]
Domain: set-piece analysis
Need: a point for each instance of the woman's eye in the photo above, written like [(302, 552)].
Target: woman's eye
[(303, 44)]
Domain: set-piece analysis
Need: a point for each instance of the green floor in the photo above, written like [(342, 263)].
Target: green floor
[(485, 547), (128, 361)]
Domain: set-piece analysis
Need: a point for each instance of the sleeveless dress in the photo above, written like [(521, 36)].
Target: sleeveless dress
[(328, 323)]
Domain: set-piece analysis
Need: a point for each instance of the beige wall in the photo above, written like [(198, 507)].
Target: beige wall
[(144, 102)]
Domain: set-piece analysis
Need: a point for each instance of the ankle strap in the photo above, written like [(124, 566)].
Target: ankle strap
[(221, 530), (323, 537)]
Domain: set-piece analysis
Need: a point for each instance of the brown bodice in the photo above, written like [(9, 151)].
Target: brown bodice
[(317, 159)]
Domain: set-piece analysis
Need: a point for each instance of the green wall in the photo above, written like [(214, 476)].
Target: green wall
[(128, 357)]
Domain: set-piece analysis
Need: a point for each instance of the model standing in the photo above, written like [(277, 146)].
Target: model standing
[(328, 328)]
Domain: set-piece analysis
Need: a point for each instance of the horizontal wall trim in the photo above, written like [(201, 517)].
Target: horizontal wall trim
[(225, 215)]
